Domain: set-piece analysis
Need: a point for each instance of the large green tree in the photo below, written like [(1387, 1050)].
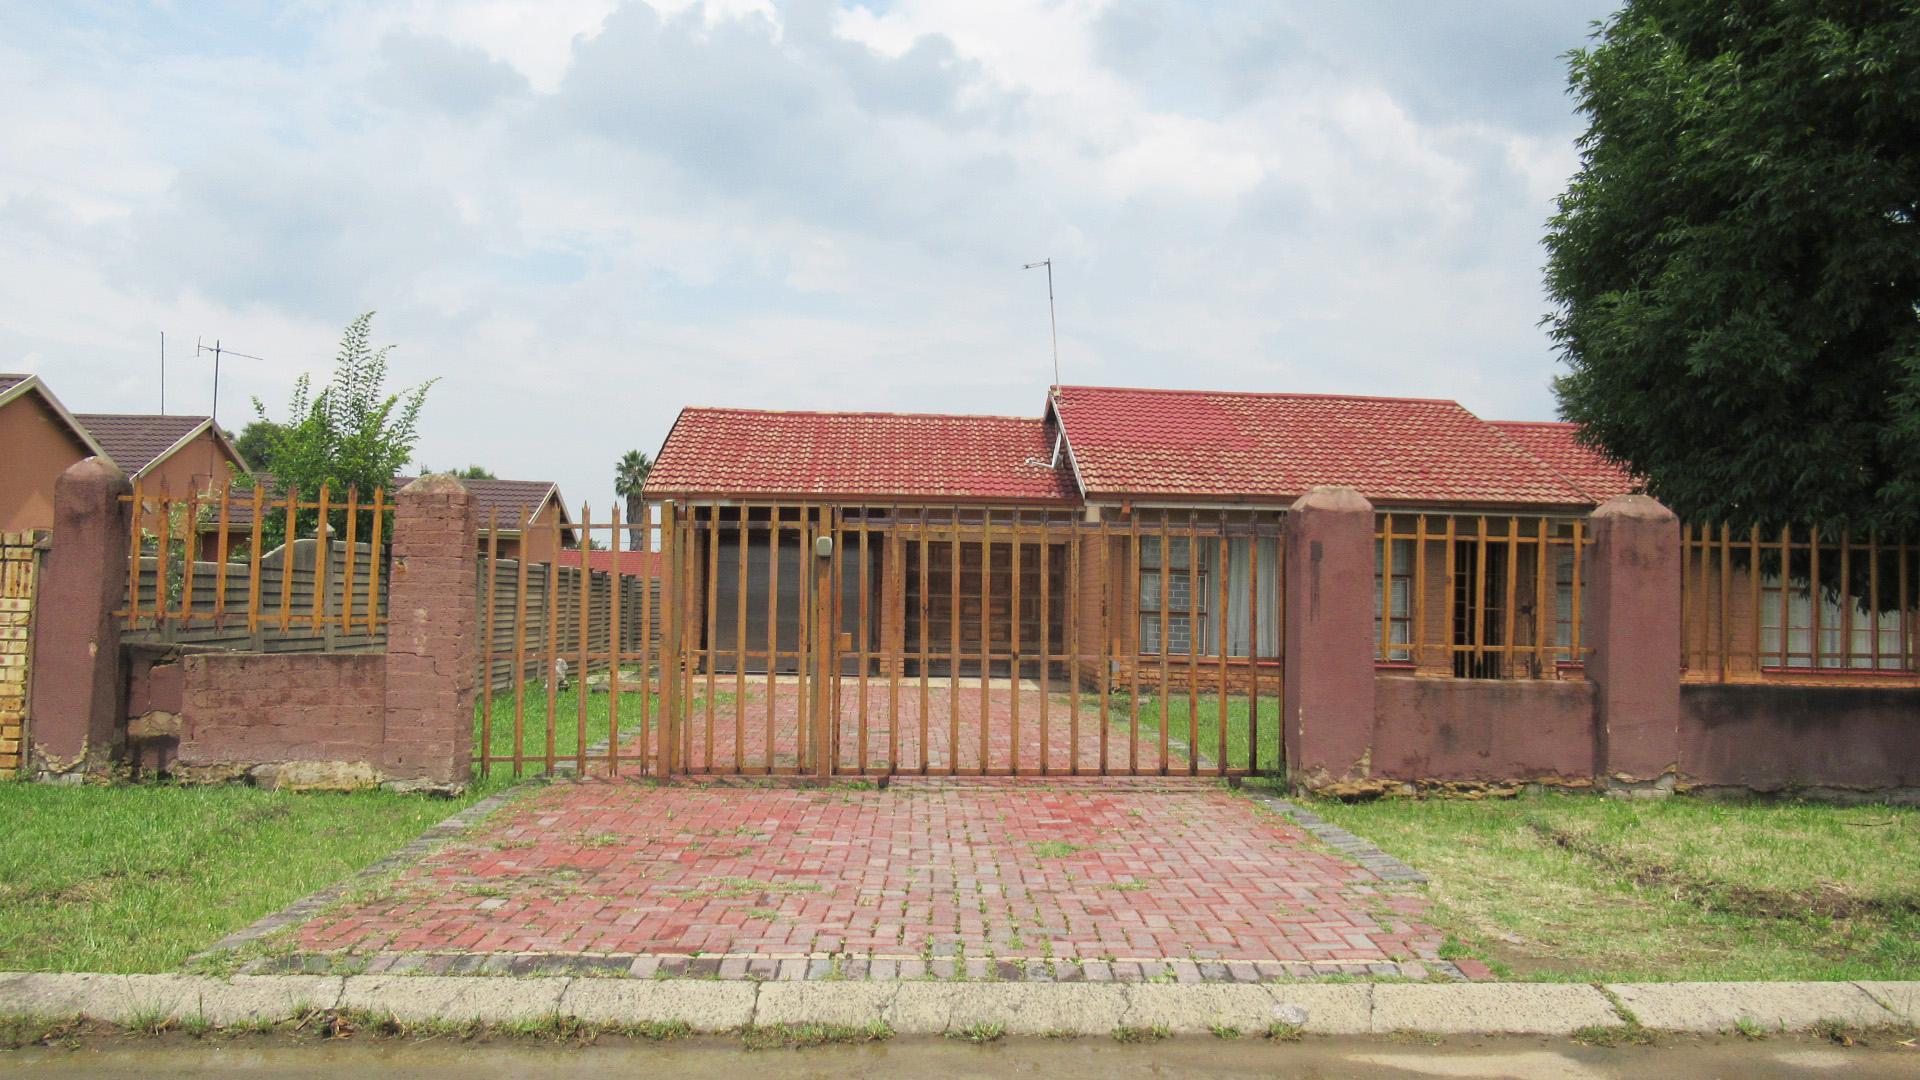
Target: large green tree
[(1736, 265), (350, 435)]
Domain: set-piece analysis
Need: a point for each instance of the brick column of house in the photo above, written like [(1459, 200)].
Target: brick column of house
[(1633, 604), (1328, 698), (76, 719), (433, 636)]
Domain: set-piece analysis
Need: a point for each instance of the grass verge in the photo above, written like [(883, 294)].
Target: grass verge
[(136, 878), (1204, 726), (1587, 889)]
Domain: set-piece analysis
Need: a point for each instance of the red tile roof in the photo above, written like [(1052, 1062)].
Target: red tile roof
[(1555, 444), (135, 441), (766, 454), (1180, 444)]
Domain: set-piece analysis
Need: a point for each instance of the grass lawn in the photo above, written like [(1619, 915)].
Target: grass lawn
[(1584, 888), (136, 878), (566, 733), (1207, 719)]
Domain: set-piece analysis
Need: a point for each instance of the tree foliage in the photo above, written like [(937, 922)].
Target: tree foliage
[(255, 444), (350, 435), (629, 476), (1736, 266)]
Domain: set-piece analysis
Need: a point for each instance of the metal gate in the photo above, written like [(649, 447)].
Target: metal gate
[(866, 641)]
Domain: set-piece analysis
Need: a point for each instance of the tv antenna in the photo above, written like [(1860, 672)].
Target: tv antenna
[(1052, 324), (218, 352)]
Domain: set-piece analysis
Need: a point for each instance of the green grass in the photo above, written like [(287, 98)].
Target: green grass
[(1206, 720), (137, 878), (566, 733), (1583, 888)]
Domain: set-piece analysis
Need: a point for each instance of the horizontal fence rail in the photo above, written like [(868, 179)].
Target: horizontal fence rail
[(1798, 602), (243, 568), (1480, 596)]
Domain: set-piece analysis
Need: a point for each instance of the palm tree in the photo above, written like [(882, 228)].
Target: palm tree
[(628, 476)]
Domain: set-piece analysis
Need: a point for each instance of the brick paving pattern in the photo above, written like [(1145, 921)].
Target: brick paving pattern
[(929, 874)]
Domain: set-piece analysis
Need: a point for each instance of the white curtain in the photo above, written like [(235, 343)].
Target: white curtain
[(1238, 552)]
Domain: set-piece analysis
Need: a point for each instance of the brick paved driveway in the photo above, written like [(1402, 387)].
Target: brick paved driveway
[(924, 871)]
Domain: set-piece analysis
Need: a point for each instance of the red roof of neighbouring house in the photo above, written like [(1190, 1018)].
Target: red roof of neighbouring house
[(1186, 444), (636, 563), (1557, 445), (859, 455)]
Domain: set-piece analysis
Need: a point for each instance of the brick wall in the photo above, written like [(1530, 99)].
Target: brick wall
[(17, 564)]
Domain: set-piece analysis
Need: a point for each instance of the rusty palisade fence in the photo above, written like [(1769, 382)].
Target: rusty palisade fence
[(869, 640)]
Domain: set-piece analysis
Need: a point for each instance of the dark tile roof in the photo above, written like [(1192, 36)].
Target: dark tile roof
[(136, 441), (506, 500)]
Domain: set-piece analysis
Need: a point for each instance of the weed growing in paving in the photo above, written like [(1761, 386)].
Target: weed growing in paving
[(978, 1033), (1224, 1031), (1054, 849), (19, 1031), (800, 1036), (1155, 1033), (1281, 1031)]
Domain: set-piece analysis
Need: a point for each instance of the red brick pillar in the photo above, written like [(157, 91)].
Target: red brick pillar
[(1633, 604), (76, 723), (1327, 702), (433, 636)]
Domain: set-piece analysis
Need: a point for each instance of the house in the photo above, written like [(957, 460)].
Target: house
[(166, 452), (40, 438), (1178, 499)]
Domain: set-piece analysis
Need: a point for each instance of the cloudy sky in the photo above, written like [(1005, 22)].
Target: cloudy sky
[(581, 215)]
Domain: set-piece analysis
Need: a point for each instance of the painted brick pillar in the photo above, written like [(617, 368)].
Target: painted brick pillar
[(76, 720), (433, 636), (1328, 700), (1633, 604)]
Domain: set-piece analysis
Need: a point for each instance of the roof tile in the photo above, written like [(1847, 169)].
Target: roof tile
[(1558, 446), (136, 441)]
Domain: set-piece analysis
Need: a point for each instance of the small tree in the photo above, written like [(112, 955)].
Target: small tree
[(255, 444), (352, 435), (629, 475)]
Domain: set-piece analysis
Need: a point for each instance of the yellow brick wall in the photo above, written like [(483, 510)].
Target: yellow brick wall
[(16, 609)]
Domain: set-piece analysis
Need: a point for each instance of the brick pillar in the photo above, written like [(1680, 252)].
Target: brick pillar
[(1633, 604), (1327, 706), (433, 636), (76, 721)]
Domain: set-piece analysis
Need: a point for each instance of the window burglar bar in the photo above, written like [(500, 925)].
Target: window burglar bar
[(1797, 603), (1479, 596)]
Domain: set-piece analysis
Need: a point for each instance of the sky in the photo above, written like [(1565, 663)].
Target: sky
[(581, 216)]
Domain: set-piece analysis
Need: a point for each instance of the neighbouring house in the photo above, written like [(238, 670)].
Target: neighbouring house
[(39, 438), (530, 516), (1161, 467)]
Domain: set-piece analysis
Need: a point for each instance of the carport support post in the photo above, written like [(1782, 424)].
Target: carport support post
[(433, 636), (1633, 604), (76, 726), (1327, 702)]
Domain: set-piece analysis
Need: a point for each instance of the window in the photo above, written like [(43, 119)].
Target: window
[(1400, 624), (1170, 581), (1846, 639)]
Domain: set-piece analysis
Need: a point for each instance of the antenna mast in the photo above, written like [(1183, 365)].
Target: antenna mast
[(1053, 324), (217, 352), (163, 373)]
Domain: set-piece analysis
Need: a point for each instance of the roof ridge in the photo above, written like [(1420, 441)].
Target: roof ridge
[(1534, 423), (853, 413), (1291, 395)]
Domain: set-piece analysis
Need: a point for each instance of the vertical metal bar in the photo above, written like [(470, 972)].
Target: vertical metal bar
[(486, 650), (740, 649), (863, 640), (1513, 594), (133, 554), (220, 556), (1786, 585), (1046, 642), (1194, 638), (953, 647), (1220, 639), (253, 558), (1073, 644), (188, 556), (286, 559), (1452, 649), (1906, 610), (826, 600), (519, 654), (1846, 598), (1385, 562), (322, 557), (1873, 595), (349, 563), (804, 645), (774, 514), (616, 632), (1480, 601), (553, 642), (672, 602), (1132, 615), (161, 563), (1753, 590), (894, 555), (580, 694), (925, 652), (1417, 603), (986, 629), (1013, 648), (650, 571), (1253, 647), (710, 606), (1541, 630), (1166, 576), (1813, 591), (1106, 640), (1574, 648), (1726, 598)]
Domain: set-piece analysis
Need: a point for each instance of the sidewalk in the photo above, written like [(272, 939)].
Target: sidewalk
[(928, 1007)]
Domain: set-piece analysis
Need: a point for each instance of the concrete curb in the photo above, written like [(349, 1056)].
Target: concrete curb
[(934, 1008)]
